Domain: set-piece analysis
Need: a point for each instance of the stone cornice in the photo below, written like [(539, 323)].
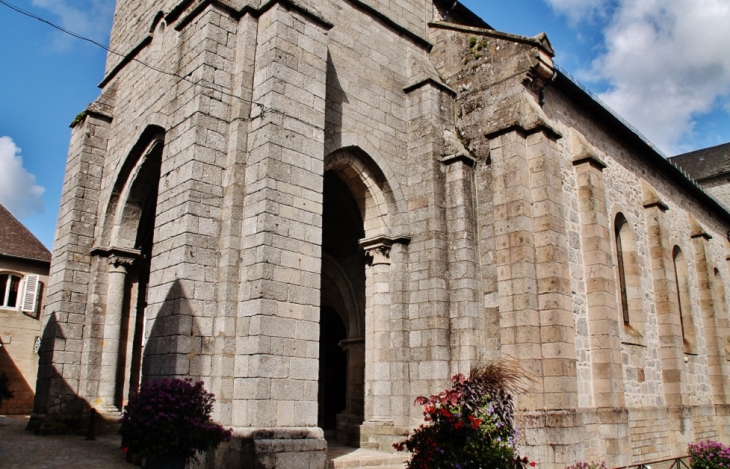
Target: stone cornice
[(522, 115), (659, 204), (540, 40), (315, 17), (651, 198), (459, 157), (583, 152), (126, 60), (696, 230), (421, 82), (116, 253)]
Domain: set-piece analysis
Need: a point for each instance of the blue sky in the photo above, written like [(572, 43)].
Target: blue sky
[(664, 65)]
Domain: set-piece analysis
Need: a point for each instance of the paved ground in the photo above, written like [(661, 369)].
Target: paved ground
[(22, 449)]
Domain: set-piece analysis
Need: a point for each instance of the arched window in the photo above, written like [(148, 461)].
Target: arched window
[(720, 310), (9, 290), (721, 313), (629, 275), (684, 302)]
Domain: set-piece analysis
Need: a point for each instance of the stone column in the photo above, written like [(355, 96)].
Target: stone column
[(464, 309), (603, 315), (665, 298), (67, 293), (110, 371), (536, 322), (276, 367), (383, 369), (700, 240), (608, 389), (349, 421)]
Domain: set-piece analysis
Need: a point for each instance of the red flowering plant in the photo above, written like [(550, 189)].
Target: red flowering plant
[(171, 417), (708, 455), (470, 425)]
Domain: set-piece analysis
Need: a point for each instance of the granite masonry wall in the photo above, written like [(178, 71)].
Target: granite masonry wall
[(190, 239)]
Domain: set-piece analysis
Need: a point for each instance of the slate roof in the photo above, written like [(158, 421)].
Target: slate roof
[(17, 241), (705, 163)]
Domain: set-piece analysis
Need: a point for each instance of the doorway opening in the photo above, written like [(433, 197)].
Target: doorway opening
[(342, 345), (138, 224), (332, 370)]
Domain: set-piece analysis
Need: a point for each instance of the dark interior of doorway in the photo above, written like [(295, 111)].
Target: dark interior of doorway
[(332, 369)]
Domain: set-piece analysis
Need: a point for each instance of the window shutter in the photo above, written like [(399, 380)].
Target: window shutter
[(30, 296)]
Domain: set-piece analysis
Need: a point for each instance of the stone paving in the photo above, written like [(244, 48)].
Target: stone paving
[(22, 449)]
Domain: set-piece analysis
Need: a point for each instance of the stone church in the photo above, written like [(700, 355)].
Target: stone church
[(325, 208)]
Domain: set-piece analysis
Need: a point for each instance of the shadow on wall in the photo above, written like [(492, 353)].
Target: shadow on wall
[(174, 349), (175, 344), (66, 412), (22, 401)]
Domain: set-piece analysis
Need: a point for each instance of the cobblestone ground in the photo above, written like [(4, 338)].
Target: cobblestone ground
[(22, 449)]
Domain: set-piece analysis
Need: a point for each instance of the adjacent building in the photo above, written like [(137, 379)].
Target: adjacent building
[(24, 264), (324, 209), (710, 168)]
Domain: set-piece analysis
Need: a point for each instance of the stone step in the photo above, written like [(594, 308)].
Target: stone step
[(343, 457)]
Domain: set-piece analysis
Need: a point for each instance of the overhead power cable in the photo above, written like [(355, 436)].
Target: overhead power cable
[(264, 108)]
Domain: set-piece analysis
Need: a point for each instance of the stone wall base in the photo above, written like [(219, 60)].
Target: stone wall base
[(619, 436), (348, 429), (74, 424), (270, 448), (380, 435)]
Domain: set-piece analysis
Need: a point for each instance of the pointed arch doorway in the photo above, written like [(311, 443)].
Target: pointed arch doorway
[(129, 232), (342, 344)]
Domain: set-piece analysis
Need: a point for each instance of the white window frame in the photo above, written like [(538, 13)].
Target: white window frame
[(28, 292)]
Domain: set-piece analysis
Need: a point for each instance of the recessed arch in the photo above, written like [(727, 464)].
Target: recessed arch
[(684, 301), (159, 17), (629, 276), (339, 294), (139, 172), (369, 186)]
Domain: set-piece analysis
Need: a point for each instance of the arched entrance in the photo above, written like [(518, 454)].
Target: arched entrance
[(139, 277), (129, 232), (342, 344)]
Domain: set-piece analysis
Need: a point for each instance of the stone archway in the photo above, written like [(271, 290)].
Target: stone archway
[(358, 236), (129, 237), (342, 343)]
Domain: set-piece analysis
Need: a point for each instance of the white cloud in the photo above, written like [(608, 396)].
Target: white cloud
[(89, 18), (580, 10), (665, 62), (19, 192)]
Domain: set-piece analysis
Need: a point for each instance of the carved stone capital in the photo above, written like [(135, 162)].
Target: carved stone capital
[(378, 249), (378, 255), (120, 259)]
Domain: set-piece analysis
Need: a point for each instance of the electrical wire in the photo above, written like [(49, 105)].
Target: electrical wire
[(264, 109)]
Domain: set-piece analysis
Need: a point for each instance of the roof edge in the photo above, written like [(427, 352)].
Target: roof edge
[(646, 150)]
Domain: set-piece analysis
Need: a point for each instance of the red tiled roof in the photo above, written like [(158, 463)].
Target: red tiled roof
[(17, 241)]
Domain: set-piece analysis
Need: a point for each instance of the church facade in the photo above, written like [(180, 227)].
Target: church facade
[(324, 209)]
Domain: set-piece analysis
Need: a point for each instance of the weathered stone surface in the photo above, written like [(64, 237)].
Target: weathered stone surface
[(337, 205)]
